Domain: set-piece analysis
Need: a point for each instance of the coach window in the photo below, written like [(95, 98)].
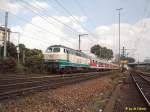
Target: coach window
[(56, 49)]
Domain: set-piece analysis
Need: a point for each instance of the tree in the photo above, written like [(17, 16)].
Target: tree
[(33, 60), (102, 52), (21, 48), (8, 65), (11, 50), (130, 59), (22, 51), (96, 50)]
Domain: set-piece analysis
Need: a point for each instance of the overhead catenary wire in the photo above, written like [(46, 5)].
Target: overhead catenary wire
[(143, 23), (48, 22), (35, 38), (75, 31), (39, 28), (49, 2), (75, 19), (37, 7), (43, 29), (83, 11), (69, 13)]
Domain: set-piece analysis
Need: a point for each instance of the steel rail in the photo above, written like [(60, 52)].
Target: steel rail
[(54, 84), (46, 80), (26, 84), (28, 80), (51, 76), (140, 88)]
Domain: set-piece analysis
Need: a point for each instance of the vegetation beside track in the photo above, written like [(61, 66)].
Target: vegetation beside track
[(30, 61), (101, 99), (128, 97)]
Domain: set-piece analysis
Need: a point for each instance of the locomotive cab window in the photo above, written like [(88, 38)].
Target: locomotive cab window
[(49, 50), (56, 49)]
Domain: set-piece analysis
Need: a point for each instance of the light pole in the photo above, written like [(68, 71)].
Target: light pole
[(5, 35), (138, 58), (80, 40), (18, 51), (119, 33)]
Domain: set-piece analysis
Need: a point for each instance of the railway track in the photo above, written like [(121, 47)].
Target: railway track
[(143, 84), (20, 86)]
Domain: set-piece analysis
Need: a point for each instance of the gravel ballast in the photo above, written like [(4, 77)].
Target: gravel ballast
[(79, 97)]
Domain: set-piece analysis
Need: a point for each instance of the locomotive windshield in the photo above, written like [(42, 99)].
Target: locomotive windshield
[(53, 49), (49, 50), (56, 49)]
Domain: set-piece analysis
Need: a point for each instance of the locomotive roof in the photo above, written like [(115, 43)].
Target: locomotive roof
[(65, 47), (61, 46)]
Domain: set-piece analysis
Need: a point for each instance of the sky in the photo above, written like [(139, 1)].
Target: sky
[(42, 23)]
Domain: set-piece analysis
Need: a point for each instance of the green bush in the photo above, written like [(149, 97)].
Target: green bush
[(33, 61), (34, 64), (8, 65)]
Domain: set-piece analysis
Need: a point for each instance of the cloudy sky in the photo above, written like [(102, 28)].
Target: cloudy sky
[(42, 23)]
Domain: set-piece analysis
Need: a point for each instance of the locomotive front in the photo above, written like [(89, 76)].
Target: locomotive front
[(53, 56)]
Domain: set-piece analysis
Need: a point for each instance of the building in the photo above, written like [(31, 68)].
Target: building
[(2, 34), (147, 60)]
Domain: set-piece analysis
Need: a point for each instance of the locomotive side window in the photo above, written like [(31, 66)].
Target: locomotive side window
[(78, 53), (56, 49), (72, 52), (64, 50), (67, 51)]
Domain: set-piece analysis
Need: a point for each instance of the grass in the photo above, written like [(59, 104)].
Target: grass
[(118, 77), (100, 101)]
